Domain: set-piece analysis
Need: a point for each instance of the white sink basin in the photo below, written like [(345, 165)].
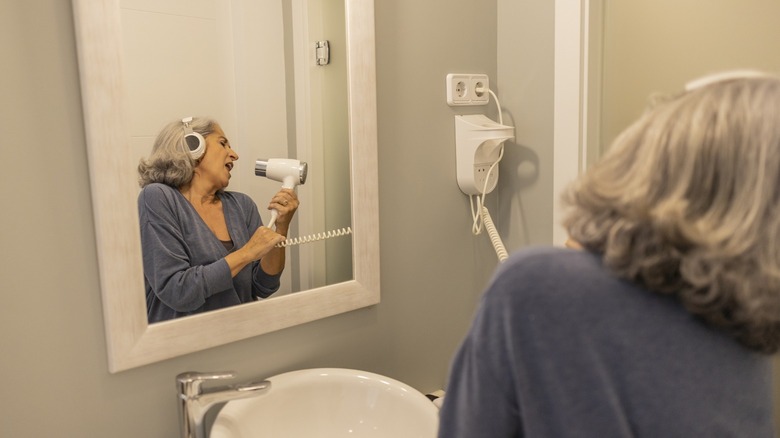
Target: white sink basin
[(330, 402)]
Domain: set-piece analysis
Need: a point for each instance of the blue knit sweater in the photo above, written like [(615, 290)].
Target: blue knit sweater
[(185, 271), (561, 348)]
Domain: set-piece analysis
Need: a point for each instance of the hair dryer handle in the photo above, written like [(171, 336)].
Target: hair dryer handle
[(289, 182), (274, 215)]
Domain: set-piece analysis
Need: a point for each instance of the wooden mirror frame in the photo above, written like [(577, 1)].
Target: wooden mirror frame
[(132, 342)]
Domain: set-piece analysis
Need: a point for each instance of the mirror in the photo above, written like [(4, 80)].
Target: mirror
[(108, 125), (611, 55), (637, 49)]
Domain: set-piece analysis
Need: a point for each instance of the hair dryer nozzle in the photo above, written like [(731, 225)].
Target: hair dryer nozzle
[(285, 170)]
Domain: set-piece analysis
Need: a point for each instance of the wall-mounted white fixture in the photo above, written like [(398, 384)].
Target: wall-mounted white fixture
[(322, 52), (477, 143), (465, 89), (479, 147)]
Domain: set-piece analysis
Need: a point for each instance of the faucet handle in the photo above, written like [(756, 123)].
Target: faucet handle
[(189, 383), (192, 376)]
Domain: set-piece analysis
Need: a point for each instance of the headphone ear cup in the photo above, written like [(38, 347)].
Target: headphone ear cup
[(196, 144)]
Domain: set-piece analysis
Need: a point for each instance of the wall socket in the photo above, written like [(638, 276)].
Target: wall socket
[(481, 176), (466, 89)]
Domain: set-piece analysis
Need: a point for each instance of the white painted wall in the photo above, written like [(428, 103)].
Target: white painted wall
[(658, 46)]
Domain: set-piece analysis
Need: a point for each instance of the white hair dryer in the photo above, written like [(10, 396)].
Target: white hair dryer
[(288, 171)]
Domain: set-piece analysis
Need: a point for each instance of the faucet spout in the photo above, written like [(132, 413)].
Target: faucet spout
[(195, 402)]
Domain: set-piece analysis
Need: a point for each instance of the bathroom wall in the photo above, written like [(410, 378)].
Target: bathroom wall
[(699, 38), (55, 379), (525, 54)]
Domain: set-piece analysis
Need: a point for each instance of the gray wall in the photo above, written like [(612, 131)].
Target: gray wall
[(54, 376), (525, 62)]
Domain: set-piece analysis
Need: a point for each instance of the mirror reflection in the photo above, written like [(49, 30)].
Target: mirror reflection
[(254, 69), (204, 247), (640, 49), (130, 339)]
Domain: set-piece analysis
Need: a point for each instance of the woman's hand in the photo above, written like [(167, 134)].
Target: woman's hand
[(286, 203), (261, 243)]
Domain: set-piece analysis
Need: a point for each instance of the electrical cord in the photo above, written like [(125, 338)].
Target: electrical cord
[(479, 213), (314, 237), (495, 239)]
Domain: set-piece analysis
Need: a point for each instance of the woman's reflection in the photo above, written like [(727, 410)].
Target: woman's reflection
[(204, 248)]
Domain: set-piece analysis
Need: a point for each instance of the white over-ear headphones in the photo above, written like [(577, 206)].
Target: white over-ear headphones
[(194, 141)]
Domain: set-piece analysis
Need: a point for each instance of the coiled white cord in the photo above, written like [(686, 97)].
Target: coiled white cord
[(314, 237), (479, 212), (495, 239)]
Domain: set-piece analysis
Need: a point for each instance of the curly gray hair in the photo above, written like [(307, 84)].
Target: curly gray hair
[(170, 162), (687, 203)]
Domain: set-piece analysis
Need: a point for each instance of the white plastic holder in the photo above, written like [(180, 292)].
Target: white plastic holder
[(477, 141)]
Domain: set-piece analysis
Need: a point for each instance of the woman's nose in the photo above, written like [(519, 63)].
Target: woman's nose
[(233, 154)]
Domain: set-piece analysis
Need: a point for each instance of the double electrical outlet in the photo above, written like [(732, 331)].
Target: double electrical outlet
[(465, 89)]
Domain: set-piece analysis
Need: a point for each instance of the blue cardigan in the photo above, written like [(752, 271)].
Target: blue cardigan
[(560, 348), (185, 271)]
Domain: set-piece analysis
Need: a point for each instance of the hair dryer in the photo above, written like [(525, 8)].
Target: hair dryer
[(285, 170)]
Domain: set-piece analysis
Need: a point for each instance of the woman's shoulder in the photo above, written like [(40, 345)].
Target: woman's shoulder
[(540, 259), (157, 189), (156, 193), (547, 268)]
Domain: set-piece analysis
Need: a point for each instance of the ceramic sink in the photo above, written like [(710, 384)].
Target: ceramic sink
[(329, 403)]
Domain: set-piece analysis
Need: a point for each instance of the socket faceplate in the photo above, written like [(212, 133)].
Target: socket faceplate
[(466, 89)]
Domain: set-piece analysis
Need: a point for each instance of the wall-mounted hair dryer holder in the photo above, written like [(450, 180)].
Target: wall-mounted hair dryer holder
[(477, 147)]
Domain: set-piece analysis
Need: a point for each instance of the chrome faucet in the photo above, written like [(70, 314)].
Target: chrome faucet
[(195, 402)]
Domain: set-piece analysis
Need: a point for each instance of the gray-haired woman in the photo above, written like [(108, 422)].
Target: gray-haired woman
[(662, 324), (204, 248)]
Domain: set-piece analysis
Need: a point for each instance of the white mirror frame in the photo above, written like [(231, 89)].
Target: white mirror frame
[(132, 342)]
